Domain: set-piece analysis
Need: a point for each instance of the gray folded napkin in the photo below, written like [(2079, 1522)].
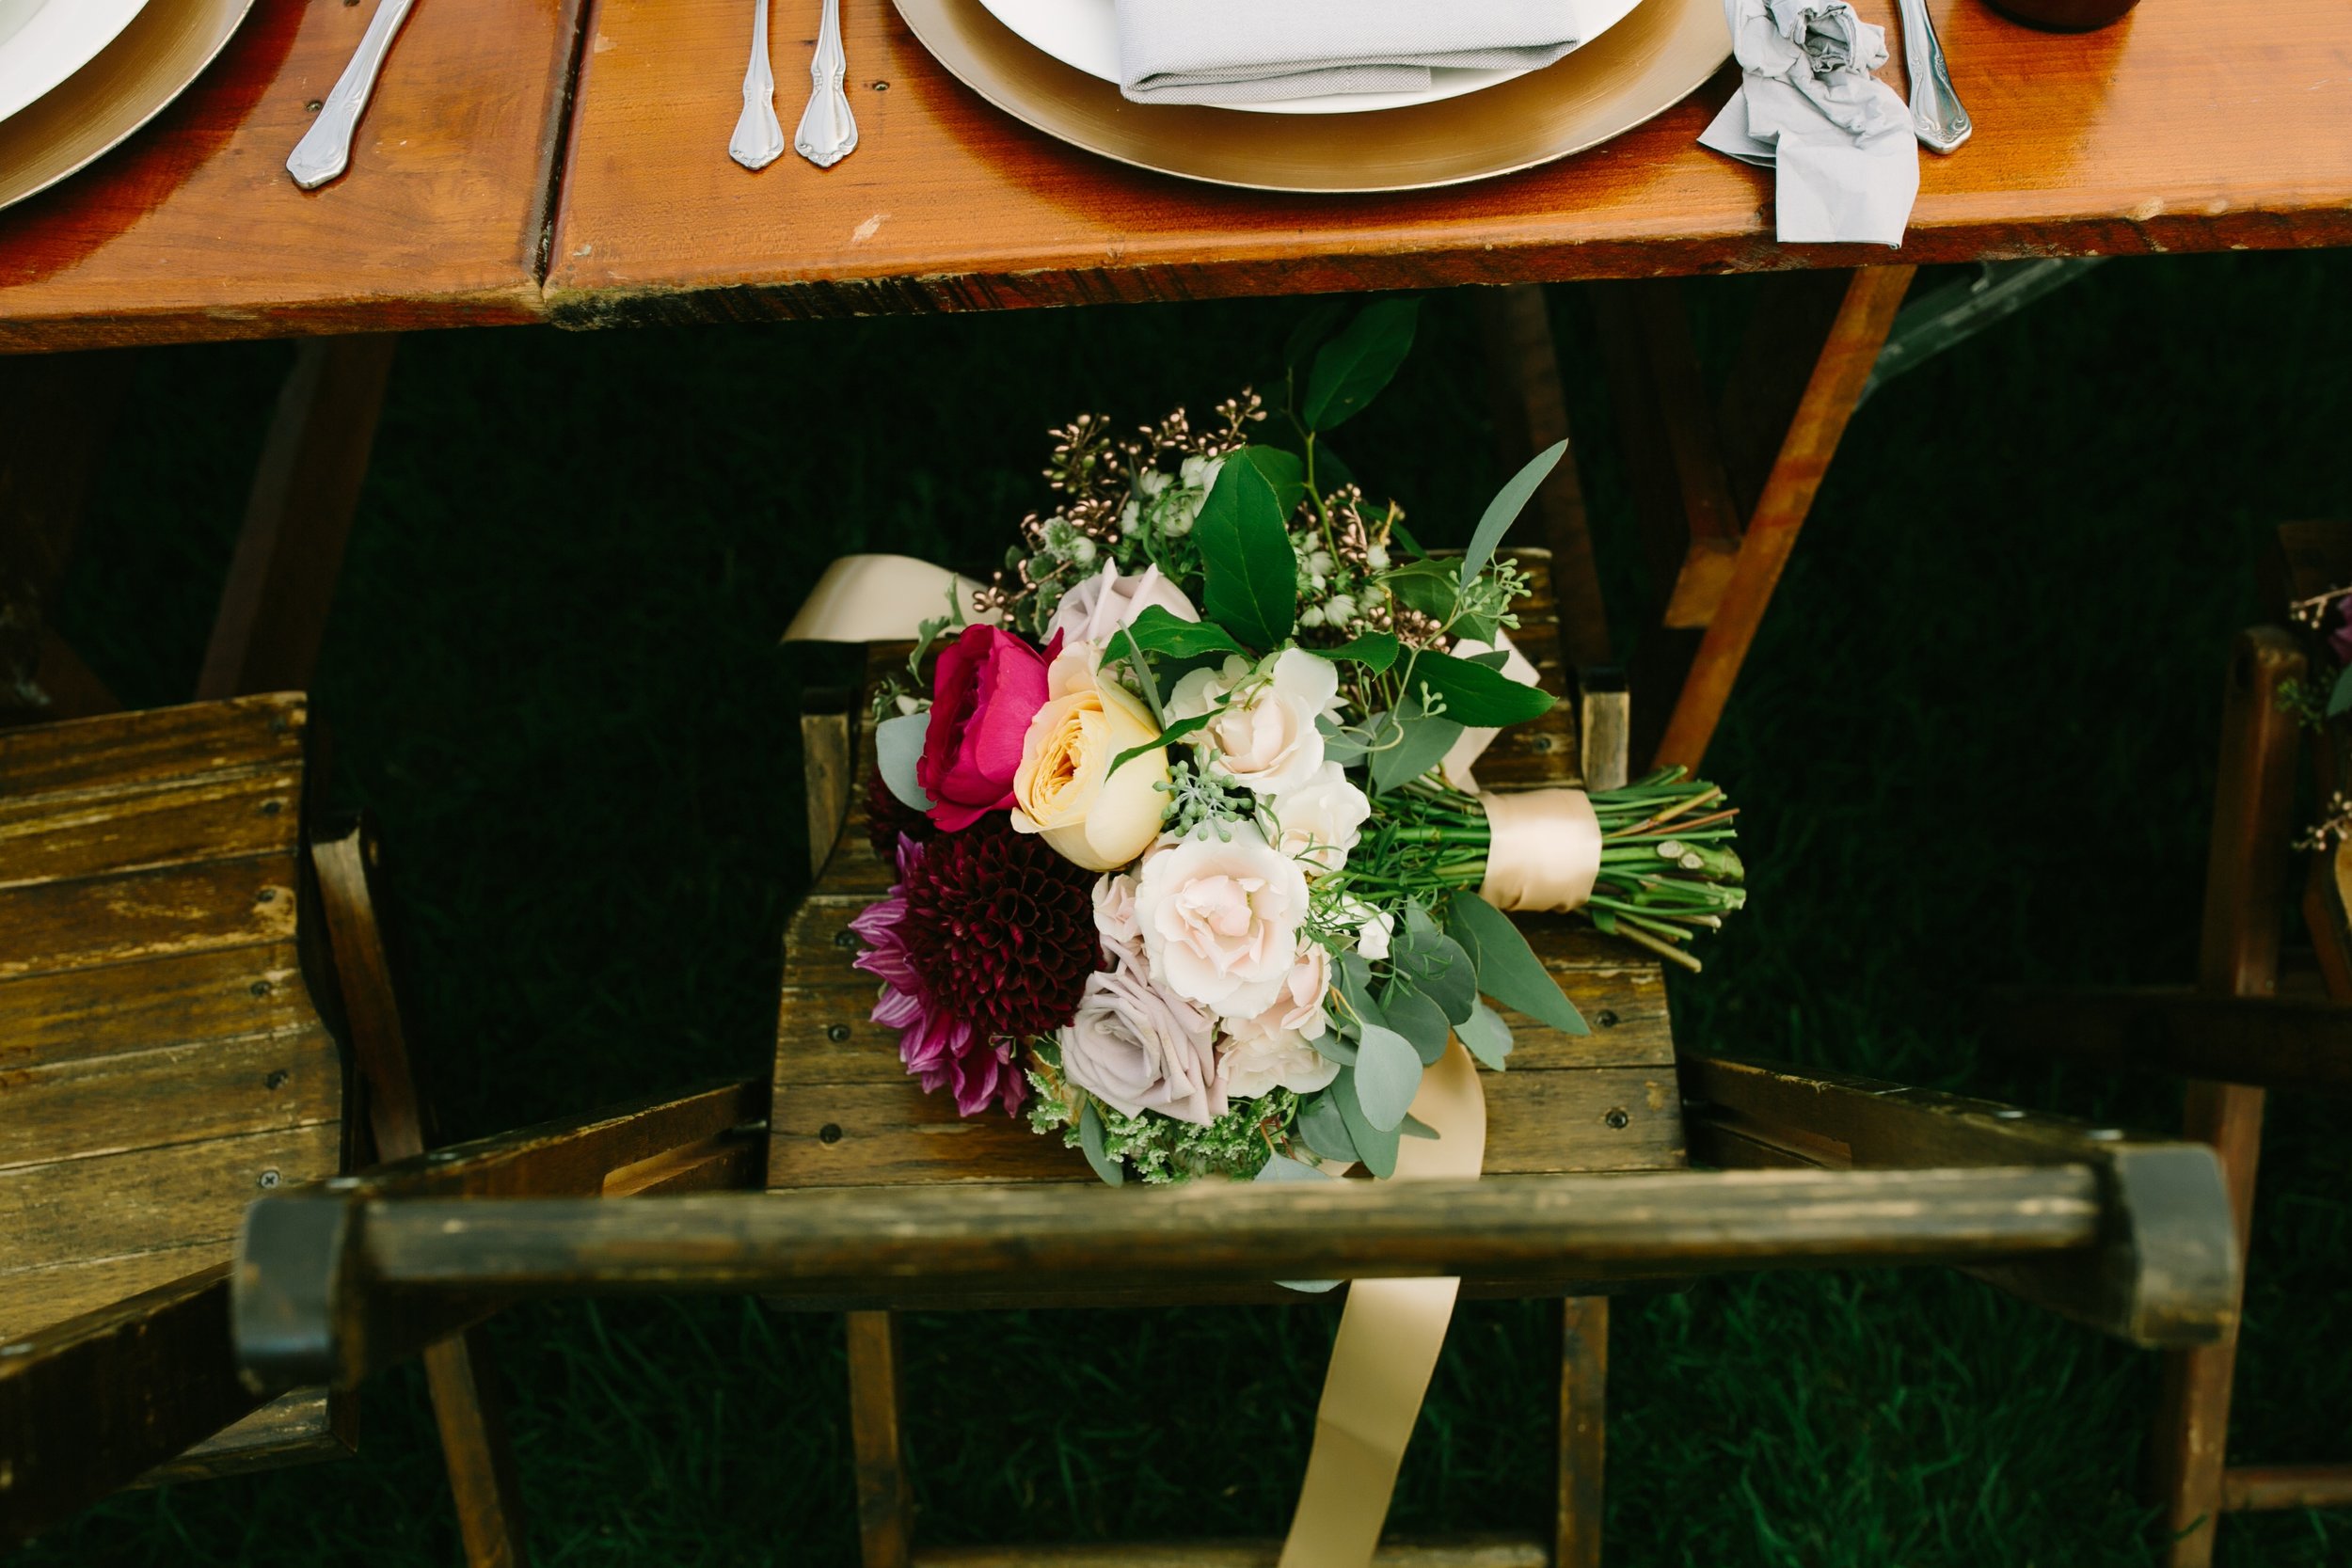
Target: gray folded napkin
[(1844, 156), (1260, 50)]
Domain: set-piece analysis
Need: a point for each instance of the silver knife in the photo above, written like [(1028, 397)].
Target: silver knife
[(325, 150), (1935, 111)]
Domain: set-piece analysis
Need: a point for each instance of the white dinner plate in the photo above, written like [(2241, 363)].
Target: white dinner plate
[(1085, 34), (44, 42)]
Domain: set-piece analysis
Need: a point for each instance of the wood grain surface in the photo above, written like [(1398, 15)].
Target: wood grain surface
[(2186, 127), (192, 230)]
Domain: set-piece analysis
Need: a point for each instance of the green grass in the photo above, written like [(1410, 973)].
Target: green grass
[(1974, 741)]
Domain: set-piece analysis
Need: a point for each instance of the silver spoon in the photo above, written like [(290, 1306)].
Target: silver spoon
[(758, 140)]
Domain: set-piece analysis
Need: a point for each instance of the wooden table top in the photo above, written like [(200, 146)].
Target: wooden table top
[(2189, 126), (2221, 124), (192, 230)]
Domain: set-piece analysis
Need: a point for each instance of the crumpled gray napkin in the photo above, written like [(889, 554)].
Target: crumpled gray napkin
[(1845, 160), (1260, 50)]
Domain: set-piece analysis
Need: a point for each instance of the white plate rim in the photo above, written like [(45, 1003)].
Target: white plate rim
[(1083, 34), (63, 38)]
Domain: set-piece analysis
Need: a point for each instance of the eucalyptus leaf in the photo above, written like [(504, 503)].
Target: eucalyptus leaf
[(1504, 509), (1350, 370), (898, 747), (1249, 574), (1282, 1167), (1090, 1143), (1484, 1036), (1342, 745), (1375, 650), (1160, 630), (1352, 979), (1508, 969), (1415, 1015), (1430, 587), (1476, 695), (1387, 1076), (1439, 968), (1413, 1127), (1333, 1046), (1374, 1147), (1322, 1126), (1419, 741)]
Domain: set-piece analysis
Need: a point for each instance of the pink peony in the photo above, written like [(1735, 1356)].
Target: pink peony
[(988, 686)]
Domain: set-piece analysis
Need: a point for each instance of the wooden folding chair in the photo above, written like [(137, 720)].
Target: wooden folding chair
[(2234, 1036), (196, 1008), (881, 1199)]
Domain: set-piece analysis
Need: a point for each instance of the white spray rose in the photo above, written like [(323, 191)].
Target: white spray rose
[(1137, 1048), (1374, 927), (1221, 919), (1265, 737), (1105, 602), (1322, 820), (1272, 1049), (1115, 913)]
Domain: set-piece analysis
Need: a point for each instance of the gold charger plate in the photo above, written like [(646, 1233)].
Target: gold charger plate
[(132, 80), (1637, 69)]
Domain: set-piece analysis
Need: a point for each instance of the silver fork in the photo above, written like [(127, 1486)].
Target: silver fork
[(828, 132), (1935, 111), (758, 140)]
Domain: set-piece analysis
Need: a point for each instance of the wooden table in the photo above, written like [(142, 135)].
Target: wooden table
[(194, 231), (2200, 126)]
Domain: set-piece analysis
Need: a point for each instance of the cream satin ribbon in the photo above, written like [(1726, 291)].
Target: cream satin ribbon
[(1391, 1333), (1548, 843), (878, 598)]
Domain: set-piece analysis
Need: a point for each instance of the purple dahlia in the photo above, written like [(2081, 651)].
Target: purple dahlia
[(986, 941)]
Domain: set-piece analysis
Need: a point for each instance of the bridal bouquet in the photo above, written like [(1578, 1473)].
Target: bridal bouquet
[(1191, 867)]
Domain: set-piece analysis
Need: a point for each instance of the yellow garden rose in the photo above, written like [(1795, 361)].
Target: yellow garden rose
[(1065, 790)]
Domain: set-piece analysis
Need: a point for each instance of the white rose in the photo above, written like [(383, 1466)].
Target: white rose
[(1221, 919), (1322, 820), (1271, 1050), (1374, 927), (1095, 608), (1115, 912), (1266, 738), (1137, 1048)]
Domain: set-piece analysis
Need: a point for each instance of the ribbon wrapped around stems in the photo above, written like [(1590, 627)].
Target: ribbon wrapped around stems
[(1545, 850)]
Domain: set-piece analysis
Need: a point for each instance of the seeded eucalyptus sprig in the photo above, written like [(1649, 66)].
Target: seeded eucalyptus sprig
[(1667, 867)]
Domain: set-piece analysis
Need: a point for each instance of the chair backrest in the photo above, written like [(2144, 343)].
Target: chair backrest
[(163, 1059)]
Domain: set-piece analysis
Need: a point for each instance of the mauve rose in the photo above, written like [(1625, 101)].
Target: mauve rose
[(1095, 608), (988, 686), (1137, 1048)]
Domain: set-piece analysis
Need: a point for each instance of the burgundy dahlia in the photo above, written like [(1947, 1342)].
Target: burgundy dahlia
[(987, 939)]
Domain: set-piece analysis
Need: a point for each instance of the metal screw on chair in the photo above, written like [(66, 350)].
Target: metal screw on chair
[(260, 988), (267, 896), (837, 1033), (269, 1178), (1606, 1020), (829, 1134), (270, 808), (845, 938), (277, 1080), (1618, 1119)]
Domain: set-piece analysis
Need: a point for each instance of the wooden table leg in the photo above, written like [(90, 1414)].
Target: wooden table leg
[(885, 1507), (1786, 495), (281, 580), (2245, 883), (1583, 1430)]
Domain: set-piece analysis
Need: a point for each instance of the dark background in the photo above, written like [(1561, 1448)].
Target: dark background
[(1975, 742)]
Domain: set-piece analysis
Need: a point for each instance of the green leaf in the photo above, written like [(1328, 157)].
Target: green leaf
[(1423, 741), (1090, 1144), (1416, 1016), (1430, 587), (1316, 327), (2341, 697), (1484, 1036), (1342, 745), (1476, 695), (1508, 969), (1504, 509), (1352, 979), (1375, 651), (1374, 1147), (898, 746), (1351, 368), (1323, 1127), (1333, 1046), (1175, 732), (1387, 1075), (1413, 1127), (1250, 576), (1161, 631), (1438, 966)]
